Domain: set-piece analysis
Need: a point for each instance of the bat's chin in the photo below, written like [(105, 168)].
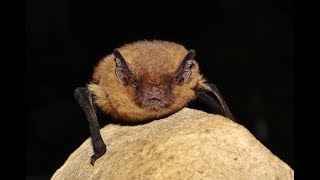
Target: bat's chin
[(154, 104)]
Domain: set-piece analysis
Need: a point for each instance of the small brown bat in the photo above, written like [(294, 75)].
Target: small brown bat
[(142, 81)]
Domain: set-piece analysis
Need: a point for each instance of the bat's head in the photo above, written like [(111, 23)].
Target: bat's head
[(154, 90), (147, 79)]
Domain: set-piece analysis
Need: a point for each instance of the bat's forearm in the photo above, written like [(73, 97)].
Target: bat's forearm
[(222, 102), (83, 96)]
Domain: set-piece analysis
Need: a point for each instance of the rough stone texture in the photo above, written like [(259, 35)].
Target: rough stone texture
[(190, 144)]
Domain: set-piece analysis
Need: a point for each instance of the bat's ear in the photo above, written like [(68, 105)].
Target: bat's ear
[(183, 72), (122, 71)]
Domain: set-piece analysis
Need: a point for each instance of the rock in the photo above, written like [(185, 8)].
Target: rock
[(189, 144)]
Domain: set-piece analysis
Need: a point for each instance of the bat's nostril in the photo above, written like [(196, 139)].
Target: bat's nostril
[(155, 93)]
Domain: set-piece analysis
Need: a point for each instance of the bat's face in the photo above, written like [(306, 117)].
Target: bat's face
[(153, 95), (153, 92)]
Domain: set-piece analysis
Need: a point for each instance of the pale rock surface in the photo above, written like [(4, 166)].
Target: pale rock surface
[(190, 144)]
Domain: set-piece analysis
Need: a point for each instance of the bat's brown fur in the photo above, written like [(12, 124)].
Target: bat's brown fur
[(154, 60)]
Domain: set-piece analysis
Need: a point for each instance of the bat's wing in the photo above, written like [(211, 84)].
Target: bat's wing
[(212, 102)]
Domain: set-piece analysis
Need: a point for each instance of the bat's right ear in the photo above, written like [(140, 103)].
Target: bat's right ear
[(183, 72), (123, 73)]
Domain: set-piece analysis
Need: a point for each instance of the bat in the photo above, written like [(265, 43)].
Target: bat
[(145, 80)]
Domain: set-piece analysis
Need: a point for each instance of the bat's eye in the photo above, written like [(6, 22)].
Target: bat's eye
[(138, 88)]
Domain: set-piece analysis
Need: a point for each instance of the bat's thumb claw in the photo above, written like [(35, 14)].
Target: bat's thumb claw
[(98, 153), (93, 160)]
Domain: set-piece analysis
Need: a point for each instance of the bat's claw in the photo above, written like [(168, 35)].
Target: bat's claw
[(98, 153)]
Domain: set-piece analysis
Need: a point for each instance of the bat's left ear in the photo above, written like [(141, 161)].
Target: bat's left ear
[(123, 72), (183, 72)]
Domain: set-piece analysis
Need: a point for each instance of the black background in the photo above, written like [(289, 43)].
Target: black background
[(244, 47)]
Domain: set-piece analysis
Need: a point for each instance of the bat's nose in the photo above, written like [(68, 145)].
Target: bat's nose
[(155, 93)]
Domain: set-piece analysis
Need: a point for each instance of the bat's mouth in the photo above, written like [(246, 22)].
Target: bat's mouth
[(152, 98), (155, 104)]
